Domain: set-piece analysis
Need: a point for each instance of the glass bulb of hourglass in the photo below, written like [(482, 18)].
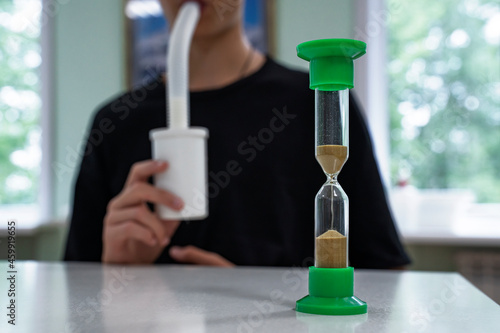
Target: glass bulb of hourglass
[(331, 210), (331, 214)]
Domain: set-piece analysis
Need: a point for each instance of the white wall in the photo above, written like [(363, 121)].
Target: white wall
[(89, 67), (298, 21)]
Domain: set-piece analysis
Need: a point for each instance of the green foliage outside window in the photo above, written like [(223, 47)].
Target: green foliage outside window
[(20, 102), (444, 81)]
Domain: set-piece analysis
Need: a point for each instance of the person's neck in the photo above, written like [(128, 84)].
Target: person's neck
[(221, 60)]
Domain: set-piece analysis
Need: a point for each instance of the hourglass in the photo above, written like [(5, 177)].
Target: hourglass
[(331, 73)]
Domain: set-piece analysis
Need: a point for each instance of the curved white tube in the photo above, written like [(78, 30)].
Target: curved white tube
[(178, 65)]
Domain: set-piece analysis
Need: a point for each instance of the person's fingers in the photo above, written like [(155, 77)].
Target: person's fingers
[(132, 230), (194, 255), (140, 192), (141, 171), (170, 226), (141, 214)]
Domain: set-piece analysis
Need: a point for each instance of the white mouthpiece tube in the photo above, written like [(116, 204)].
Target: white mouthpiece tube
[(177, 65), (183, 147)]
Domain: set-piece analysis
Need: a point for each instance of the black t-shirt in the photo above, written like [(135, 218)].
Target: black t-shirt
[(263, 176)]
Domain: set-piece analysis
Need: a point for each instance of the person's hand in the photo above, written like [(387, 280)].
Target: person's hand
[(194, 255), (131, 232)]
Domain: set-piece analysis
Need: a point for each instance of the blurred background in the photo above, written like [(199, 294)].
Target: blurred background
[(430, 86)]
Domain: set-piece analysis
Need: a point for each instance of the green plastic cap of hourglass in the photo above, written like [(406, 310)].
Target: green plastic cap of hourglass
[(331, 62)]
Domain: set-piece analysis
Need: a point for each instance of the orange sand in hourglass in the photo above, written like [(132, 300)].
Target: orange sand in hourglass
[(331, 249), (331, 158)]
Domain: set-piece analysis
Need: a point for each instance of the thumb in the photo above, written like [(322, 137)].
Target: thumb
[(194, 255)]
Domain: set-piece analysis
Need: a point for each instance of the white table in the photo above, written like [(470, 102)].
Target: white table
[(81, 297)]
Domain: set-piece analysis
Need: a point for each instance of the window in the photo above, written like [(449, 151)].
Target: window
[(444, 88), (444, 101), (20, 107), (430, 83)]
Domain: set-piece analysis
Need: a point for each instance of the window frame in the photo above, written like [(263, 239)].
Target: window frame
[(370, 72), (45, 201)]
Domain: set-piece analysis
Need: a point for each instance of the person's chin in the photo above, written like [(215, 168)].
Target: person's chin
[(207, 26)]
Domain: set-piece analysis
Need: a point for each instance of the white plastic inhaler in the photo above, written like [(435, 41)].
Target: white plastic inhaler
[(183, 147)]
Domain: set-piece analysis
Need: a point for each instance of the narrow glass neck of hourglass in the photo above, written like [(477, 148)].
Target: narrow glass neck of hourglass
[(331, 179)]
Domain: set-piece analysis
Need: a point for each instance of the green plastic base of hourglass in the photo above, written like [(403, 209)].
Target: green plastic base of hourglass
[(331, 293)]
